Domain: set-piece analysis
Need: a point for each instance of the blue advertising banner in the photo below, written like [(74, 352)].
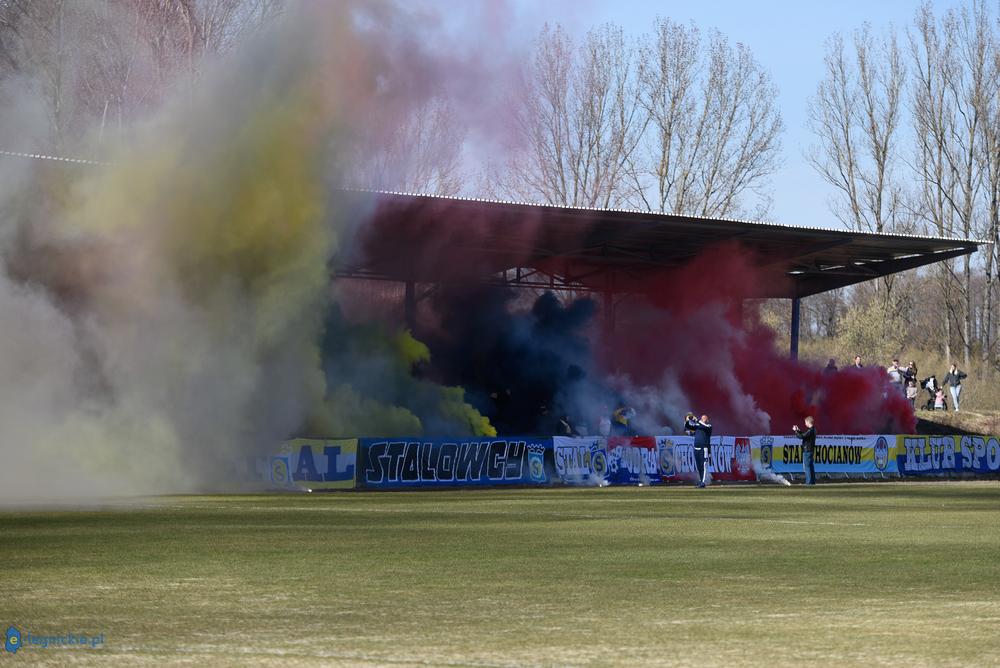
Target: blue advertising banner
[(398, 463), (932, 455)]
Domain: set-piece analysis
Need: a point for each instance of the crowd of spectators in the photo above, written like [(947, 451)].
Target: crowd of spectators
[(906, 381)]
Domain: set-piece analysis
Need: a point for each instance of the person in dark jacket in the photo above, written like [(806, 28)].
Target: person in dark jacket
[(689, 420), (702, 431), (953, 379), (808, 446), (564, 427)]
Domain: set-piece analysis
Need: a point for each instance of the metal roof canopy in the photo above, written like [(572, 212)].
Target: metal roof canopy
[(428, 239)]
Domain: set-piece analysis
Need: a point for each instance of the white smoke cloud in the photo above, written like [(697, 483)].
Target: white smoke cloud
[(162, 313)]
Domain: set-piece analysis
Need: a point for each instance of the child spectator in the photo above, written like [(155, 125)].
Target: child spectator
[(939, 400), (911, 393)]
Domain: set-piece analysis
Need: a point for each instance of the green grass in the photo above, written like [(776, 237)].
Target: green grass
[(848, 574)]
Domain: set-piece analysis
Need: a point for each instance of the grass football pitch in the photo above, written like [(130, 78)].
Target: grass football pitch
[(901, 574)]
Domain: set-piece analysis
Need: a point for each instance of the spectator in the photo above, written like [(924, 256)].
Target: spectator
[(953, 379), (911, 372), (565, 428), (931, 385), (808, 445), (911, 393), (896, 375), (620, 420), (702, 430), (939, 404), (831, 366), (546, 423), (857, 362)]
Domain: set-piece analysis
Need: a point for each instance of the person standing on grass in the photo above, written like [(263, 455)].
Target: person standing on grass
[(953, 379), (857, 362), (808, 446), (702, 430), (897, 376)]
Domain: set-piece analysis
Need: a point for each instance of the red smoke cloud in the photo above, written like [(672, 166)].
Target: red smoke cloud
[(690, 332)]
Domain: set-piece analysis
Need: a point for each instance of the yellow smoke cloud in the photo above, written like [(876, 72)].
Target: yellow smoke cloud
[(452, 404), (191, 280)]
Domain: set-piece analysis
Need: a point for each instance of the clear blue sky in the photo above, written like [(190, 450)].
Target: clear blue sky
[(787, 38)]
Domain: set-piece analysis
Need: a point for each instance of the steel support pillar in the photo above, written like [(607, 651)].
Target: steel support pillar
[(794, 333)]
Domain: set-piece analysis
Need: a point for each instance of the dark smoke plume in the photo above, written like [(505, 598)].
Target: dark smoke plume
[(685, 343), (522, 368)]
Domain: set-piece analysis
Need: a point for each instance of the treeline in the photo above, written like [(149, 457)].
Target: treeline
[(94, 66), (675, 120), (906, 126)]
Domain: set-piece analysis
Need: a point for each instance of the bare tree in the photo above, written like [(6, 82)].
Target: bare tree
[(37, 42), (864, 125), (989, 163), (182, 32), (413, 150), (933, 120), (856, 116), (952, 57), (579, 122), (96, 60), (715, 127)]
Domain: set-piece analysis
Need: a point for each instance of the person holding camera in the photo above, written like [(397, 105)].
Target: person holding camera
[(808, 446), (702, 432)]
